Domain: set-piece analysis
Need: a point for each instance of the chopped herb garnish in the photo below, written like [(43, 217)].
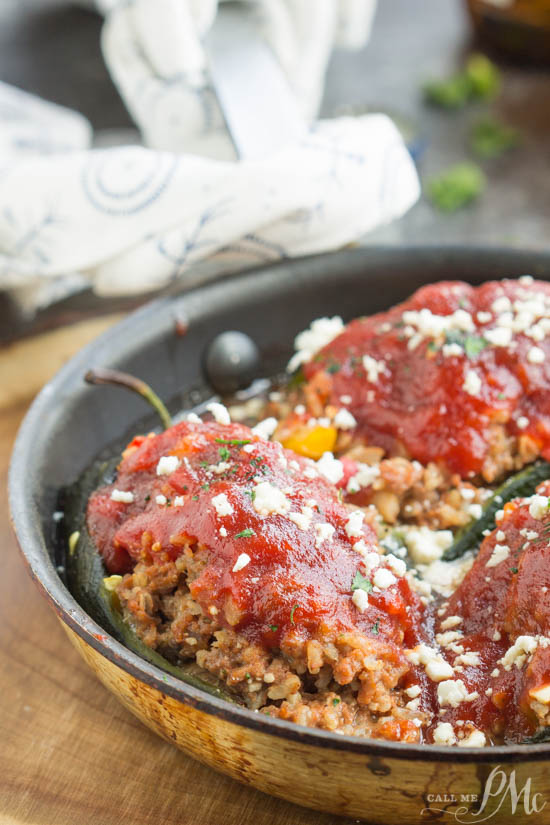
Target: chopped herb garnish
[(456, 187), (205, 486), (513, 570), (195, 498), (233, 442), (474, 344), (251, 493), (204, 464), (147, 497), (333, 367), (224, 453), (247, 676), (245, 534), (273, 627), (292, 613), (432, 347), (361, 583), (491, 138), (336, 701), (375, 627)]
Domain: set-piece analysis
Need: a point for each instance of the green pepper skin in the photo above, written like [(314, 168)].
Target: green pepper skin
[(521, 484)]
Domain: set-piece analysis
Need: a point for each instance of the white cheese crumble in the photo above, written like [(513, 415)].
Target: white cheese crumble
[(364, 477), (222, 505), (396, 565), (241, 562), (373, 368), (220, 413), (476, 739), (522, 422), (360, 600), (161, 499), (179, 501), (470, 659), (449, 350), (453, 692), (536, 355), (354, 524), (427, 545), (538, 506), (444, 734), (472, 383), (451, 621), (499, 554), (167, 465), (193, 418), (330, 468), (123, 496), (344, 420), (320, 333), (523, 647), (323, 532), (499, 336), (269, 500), (436, 667), (265, 429), (383, 578), (303, 519), (223, 532), (413, 691)]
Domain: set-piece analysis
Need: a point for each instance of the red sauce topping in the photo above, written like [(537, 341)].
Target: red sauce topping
[(296, 580), (436, 387)]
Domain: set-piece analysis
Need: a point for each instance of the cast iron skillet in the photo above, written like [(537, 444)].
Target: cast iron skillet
[(70, 422)]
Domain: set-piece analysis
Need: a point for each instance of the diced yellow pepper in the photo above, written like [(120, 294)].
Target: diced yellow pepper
[(311, 442)]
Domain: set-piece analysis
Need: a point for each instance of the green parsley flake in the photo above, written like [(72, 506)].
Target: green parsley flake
[(361, 583), (474, 344), (246, 533), (375, 627), (336, 701), (233, 442), (490, 138), (225, 455), (273, 627), (292, 613), (456, 187)]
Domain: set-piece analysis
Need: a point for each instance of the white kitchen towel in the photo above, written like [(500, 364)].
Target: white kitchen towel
[(131, 219)]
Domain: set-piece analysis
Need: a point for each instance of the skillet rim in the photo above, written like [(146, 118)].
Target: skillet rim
[(33, 544)]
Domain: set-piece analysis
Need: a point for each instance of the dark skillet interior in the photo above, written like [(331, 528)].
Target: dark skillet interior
[(70, 423)]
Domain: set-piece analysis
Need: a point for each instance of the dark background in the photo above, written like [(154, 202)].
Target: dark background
[(51, 48)]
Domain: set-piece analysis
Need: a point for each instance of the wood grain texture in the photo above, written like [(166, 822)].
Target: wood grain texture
[(70, 753)]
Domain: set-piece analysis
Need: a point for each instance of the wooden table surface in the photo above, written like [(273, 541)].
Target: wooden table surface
[(70, 753)]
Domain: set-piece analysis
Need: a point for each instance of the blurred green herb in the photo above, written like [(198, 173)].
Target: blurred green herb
[(456, 187), (479, 80), (490, 138)]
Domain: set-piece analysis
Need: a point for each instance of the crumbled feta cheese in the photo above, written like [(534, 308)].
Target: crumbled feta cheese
[(451, 621), (501, 304), (467, 493), (344, 420), (266, 428), (223, 532), (522, 422), (541, 694), (354, 524), (364, 477), (167, 464), (383, 578), (427, 545), (396, 565), (448, 637), (439, 670), (360, 600), (470, 659), (222, 505), (249, 448), (453, 692), (501, 535), (241, 562), (346, 399), (476, 739), (124, 496), (499, 337), (221, 467), (413, 691), (370, 560), (179, 501), (320, 333), (450, 350), (484, 317), (538, 506), (330, 468), (499, 515), (499, 554), (193, 418), (270, 500), (472, 383), (161, 499), (475, 510), (373, 368), (536, 355), (220, 413), (323, 532), (444, 734), (523, 647), (303, 519)]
